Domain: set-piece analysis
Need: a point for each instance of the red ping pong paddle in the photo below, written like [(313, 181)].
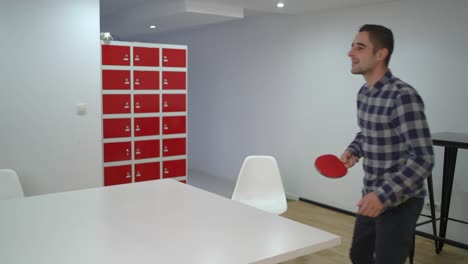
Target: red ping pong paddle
[(330, 166)]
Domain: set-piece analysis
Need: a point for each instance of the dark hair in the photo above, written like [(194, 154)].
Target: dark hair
[(381, 37)]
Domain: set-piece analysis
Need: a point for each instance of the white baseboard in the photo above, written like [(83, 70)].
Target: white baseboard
[(292, 197)]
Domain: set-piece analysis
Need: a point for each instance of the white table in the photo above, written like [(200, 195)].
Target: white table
[(157, 222)]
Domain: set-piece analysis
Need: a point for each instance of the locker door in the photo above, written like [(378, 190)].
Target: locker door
[(145, 56), (174, 125), (174, 103), (146, 149), (147, 171), (146, 103), (115, 104), (117, 151), (174, 147), (174, 80), (115, 128), (146, 80), (117, 175), (115, 55), (146, 126), (174, 168), (174, 58), (115, 80)]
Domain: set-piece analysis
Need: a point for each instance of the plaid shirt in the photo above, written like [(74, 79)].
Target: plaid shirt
[(394, 141)]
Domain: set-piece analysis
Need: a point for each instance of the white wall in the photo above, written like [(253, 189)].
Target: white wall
[(282, 86), (49, 63)]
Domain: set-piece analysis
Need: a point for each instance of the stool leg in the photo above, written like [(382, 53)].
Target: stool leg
[(433, 215), (450, 159)]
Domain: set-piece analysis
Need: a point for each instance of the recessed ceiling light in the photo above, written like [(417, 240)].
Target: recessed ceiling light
[(280, 4), (152, 26)]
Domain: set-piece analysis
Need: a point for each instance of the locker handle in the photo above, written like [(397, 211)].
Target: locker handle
[(127, 105), (137, 152), (127, 152), (165, 127), (138, 174), (166, 149), (166, 171), (137, 105), (137, 128), (128, 175), (127, 129), (137, 58), (165, 104), (165, 59)]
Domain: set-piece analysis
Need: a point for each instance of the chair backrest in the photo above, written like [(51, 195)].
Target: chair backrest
[(10, 186), (259, 185)]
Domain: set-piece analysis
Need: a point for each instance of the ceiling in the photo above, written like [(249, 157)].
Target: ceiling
[(131, 18)]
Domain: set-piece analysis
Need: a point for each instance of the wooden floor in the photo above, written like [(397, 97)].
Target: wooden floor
[(342, 225)]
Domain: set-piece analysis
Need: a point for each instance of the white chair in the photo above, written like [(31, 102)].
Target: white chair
[(10, 186), (259, 185)]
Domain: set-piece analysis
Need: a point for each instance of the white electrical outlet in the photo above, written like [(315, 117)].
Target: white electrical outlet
[(81, 109)]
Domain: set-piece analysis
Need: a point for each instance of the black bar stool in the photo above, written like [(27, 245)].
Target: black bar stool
[(432, 220)]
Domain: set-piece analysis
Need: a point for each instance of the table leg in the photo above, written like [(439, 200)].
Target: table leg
[(450, 159)]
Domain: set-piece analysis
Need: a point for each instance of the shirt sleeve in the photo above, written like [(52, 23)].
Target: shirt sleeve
[(356, 145), (410, 125)]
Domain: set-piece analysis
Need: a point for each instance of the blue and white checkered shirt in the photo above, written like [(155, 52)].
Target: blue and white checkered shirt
[(394, 141)]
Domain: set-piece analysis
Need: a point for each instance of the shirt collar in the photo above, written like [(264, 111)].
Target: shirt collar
[(380, 83)]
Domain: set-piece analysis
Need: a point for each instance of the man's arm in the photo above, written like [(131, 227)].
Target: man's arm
[(356, 145), (353, 152), (410, 124)]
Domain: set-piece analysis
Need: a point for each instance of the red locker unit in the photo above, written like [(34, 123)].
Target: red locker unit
[(116, 104), (146, 149), (116, 127), (115, 80), (115, 55), (174, 147), (117, 175), (174, 103), (174, 80), (146, 126), (146, 103), (174, 57), (174, 125), (146, 80), (145, 56), (117, 151), (147, 171), (174, 168), (144, 112)]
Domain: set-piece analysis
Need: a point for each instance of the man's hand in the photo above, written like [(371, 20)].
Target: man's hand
[(349, 159), (370, 205)]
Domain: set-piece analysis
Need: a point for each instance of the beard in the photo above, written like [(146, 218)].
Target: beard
[(361, 69), (357, 70)]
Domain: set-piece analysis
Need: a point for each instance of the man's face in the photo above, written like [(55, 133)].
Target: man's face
[(363, 58)]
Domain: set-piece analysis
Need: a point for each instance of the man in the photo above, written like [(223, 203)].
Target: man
[(396, 147)]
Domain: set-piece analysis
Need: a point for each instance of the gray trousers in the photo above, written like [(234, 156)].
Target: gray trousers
[(387, 238)]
